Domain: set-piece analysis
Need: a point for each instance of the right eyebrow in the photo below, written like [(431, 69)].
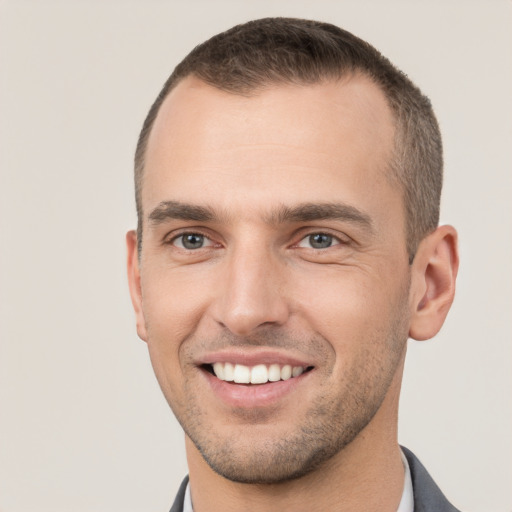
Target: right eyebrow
[(168, 210), (308, 212)]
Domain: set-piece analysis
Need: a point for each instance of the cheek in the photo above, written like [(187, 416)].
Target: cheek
[(351, 307), (173, 305), (173, 302)]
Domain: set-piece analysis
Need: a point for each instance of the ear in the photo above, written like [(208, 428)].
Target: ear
[(434, 271), (134, 282)]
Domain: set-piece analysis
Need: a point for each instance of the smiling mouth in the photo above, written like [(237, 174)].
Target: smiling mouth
[(258, 374)]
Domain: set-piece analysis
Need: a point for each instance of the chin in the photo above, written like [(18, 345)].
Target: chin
[(264, 468), (271, 461)]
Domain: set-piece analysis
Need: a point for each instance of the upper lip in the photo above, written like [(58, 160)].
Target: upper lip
[(252, 358)]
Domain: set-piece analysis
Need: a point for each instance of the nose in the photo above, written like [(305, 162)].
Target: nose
[(251, 292)]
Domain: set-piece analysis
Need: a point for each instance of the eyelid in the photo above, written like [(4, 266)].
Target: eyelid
[(171, 238), (206, 242), (338, 238)]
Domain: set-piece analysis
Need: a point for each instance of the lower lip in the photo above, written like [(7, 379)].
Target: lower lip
[(249, 396)]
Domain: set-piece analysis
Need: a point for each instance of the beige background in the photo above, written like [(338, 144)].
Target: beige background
[(83, 426)]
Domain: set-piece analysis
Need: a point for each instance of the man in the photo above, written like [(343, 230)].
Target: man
[(287, 183)]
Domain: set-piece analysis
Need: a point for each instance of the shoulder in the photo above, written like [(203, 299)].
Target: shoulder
[(427, 495), (177, 506)]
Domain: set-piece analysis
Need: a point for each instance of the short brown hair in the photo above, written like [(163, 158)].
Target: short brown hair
[(273, 51)]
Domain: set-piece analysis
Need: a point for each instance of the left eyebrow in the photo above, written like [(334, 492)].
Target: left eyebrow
[(168, 210), (308, 212)]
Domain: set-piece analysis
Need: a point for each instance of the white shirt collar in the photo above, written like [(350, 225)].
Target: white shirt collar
[(187, 502), (407, 501)]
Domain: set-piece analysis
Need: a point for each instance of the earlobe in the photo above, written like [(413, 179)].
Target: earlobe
[(134, 282), (434, 272)]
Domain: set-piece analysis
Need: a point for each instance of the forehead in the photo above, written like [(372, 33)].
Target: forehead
[(283, 143)]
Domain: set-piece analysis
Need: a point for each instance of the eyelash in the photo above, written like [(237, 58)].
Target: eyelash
[(335, 240), (183, 234)]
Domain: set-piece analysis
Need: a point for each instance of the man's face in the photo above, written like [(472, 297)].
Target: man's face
[(274, 242)]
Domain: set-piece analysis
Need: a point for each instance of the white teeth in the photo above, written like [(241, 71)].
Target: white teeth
[(286, 372), (297, 370), (218, 369), (242, 374), (259, 374), (229, 372), (274, 373)]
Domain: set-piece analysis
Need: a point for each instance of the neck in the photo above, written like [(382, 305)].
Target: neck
[(367, 475)]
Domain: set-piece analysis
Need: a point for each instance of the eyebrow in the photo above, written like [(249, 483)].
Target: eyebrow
[(168, 210), (308, 212), (305, 212)]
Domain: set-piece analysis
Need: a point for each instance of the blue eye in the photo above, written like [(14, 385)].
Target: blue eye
[(318, 241), (191, 241)]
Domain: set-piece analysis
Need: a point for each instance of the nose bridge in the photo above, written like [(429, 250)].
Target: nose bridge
[(251, 293)]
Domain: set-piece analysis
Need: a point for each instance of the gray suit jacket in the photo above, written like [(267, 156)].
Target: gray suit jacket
[(427, 495)]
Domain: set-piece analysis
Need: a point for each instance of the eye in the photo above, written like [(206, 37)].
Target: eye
[(318, 241), (191, 241)]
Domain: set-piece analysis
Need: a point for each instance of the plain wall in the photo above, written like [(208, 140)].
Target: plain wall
[(83, 425)]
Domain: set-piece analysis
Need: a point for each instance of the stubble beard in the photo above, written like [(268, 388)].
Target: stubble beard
[(256, 456), (326, 430)]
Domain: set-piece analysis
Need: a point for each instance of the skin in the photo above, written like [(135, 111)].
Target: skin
[(250, 170)]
